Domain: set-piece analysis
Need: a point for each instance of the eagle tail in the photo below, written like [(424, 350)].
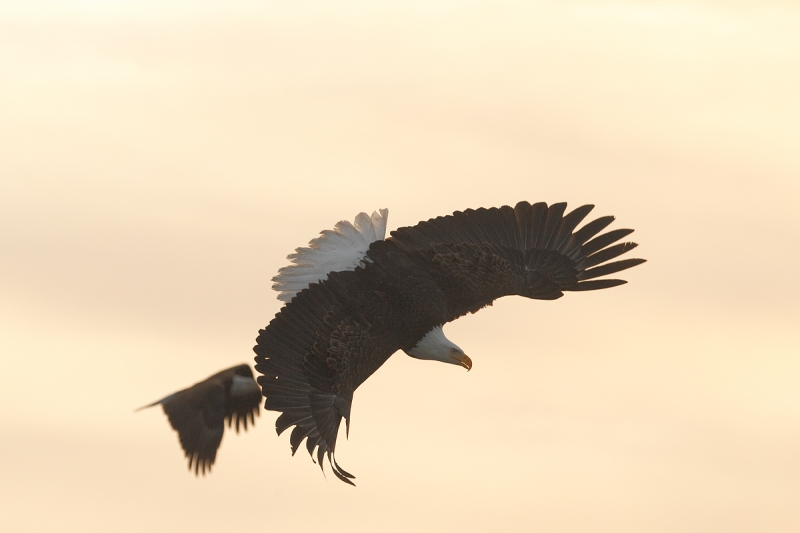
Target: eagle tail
[(342, 248)]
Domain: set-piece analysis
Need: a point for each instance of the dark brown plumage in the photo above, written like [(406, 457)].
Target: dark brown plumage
[(334, 334), (199, 413)]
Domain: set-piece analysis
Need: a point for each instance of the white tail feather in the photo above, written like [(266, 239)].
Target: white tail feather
[(343, 248)]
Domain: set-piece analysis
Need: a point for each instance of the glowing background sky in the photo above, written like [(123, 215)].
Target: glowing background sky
[(158, 161)]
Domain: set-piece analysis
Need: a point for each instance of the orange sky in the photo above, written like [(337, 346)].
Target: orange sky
[(159, 160)]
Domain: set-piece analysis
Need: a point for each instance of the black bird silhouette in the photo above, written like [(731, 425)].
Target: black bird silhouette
[(198, 413)]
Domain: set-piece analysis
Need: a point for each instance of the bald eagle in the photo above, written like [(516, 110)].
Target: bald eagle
[(355, 298), (199, 413)]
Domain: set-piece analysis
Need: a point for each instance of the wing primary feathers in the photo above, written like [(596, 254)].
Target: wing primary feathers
[(522, 212), (342, 470), (596, 284), (321, 457), (604, 240), (284, 389), (290, 418), (554, 215), (312, 441), (280, 403), (510, 226), (538, 220), (607, 254), (298, 434), (610, 268), (568, 225), (341, 474), (592, 228)]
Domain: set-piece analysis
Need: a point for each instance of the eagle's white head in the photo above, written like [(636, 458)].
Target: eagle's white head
[(436, 347)]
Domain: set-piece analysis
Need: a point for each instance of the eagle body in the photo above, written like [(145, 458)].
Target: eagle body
[(399, 292), (198, 413)]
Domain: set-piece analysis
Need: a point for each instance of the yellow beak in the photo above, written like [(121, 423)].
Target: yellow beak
[(463, 360)]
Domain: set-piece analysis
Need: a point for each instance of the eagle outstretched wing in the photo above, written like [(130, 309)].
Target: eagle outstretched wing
[(479, 254), (315, 353)]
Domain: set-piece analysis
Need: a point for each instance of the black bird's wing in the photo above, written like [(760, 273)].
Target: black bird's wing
[(198, 415), (314, 354), (477, 256)]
